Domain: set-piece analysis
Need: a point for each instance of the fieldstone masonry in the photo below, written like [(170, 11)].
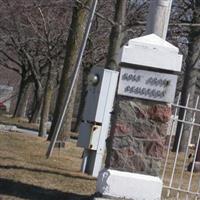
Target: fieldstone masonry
[(137, 135)]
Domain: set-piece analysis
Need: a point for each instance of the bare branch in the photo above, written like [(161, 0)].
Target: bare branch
[(35, 29), (97, 13), (143, 23), (44, 22), (10, 58), (32, 68), (5, 65)]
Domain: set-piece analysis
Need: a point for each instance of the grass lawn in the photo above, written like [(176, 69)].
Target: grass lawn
[(181, 180), (20, 122), (25, 173)]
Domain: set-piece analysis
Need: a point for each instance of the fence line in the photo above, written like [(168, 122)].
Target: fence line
[(180, 177)]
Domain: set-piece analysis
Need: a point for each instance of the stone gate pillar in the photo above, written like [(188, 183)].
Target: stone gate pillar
[(140, 119)]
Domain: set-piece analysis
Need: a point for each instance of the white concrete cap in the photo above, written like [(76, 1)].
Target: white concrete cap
[(152, 51), (153, 40), (127, 185)]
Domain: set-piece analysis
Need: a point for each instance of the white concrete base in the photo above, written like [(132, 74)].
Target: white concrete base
[(109, 198), (127, 185)]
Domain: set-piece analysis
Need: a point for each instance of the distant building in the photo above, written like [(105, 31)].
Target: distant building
[(6, 93)]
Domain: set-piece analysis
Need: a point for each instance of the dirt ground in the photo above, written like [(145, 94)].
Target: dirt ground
[(25, 173)]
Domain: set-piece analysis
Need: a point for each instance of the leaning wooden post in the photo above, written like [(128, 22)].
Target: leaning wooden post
[(140, 119)]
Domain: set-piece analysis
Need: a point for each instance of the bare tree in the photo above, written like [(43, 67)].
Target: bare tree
[(75, 37), (117, 34), (31, 41)]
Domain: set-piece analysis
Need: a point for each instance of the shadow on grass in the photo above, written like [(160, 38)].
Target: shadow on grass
[(45, 171), (27, 191)]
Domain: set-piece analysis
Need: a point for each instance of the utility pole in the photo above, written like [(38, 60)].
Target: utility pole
[(158, 17)]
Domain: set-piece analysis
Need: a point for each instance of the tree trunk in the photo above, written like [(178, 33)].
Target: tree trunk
[(46, 102), (115, 42), (116, 35), (77, 29), (45, 111), (85, 73), (37, 105), (190, 78), (20, 109)]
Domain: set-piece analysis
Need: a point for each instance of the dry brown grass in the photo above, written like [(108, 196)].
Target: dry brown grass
[(25, 173), (20, 122), (180, 180), (23, 123)]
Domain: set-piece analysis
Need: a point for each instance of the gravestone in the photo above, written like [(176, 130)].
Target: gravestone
[(140, 120)]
